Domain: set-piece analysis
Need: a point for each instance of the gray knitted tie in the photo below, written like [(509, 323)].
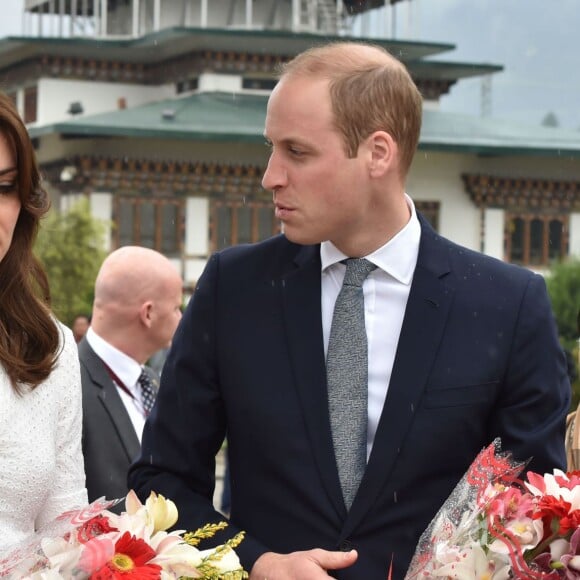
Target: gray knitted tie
[(347, 377)]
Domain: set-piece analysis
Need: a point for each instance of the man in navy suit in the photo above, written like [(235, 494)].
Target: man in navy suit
[(461, 348)]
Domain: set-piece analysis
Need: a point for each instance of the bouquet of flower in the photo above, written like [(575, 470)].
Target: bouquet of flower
[(495, 526), (96, 544)]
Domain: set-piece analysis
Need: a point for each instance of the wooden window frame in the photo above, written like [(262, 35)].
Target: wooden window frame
[(158, 203), (527, 218), (254, 205)]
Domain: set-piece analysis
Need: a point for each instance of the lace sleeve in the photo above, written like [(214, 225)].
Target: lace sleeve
[(68, 490)]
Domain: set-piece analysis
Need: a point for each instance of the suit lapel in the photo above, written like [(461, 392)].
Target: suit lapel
[(428, 306), (301, 303), (110, 399)]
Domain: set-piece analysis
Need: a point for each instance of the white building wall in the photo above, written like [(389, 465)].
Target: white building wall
[(102, 209), (575, 235), (437, 177), (197, 225), (56, 95), (494, 231), (196, 238)]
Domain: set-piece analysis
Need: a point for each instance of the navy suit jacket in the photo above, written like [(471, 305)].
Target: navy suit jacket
[(478, 358)]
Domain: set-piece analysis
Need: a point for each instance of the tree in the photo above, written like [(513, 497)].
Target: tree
[(550, 120), (564, 289), (71, 247)]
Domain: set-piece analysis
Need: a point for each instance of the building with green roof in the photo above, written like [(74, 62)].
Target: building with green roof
[(154, 110)]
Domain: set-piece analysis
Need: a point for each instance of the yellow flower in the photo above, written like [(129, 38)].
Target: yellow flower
[(162, 511)]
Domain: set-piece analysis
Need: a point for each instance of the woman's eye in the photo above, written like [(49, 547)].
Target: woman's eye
[(7, 186)]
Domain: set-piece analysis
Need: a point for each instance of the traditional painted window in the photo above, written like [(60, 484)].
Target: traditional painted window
[(430, 211), (156, 223), (241, 222), (535, 239)]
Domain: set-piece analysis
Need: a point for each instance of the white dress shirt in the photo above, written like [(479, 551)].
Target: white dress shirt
[(386, 291), (128, 370)]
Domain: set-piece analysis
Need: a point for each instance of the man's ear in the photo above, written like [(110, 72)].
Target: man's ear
[(145, 313), (383, 153)]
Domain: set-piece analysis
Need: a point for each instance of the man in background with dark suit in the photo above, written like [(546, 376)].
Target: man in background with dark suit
[(461, 348), (137, 306)]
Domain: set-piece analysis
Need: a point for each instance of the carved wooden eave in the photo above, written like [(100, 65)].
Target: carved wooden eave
[(522, 193), (167, 178), (176, 70)]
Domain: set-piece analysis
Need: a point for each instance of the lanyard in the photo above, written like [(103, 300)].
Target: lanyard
[(123, 387)]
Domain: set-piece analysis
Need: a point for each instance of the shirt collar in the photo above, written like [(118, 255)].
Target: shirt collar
[(127, 369), (398, 257)]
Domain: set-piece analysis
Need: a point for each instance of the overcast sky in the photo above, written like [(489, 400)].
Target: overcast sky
[(535, 40)]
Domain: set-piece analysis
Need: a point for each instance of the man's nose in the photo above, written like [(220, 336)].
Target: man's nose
[(275, 175)]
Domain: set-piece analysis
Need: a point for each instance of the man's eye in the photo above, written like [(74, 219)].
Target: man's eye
[(296, 152)]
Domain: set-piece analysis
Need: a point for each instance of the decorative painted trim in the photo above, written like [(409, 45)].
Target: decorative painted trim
[(127, 176), (522, 192), (177, 70)]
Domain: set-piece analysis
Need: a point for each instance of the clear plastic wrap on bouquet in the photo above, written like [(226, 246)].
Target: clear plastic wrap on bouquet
[(96, 543), (496, 526), (453, 534), (28, 555)]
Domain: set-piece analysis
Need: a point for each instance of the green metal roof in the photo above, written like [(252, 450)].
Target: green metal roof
[(449, 70), (175, 41), (240, 118)]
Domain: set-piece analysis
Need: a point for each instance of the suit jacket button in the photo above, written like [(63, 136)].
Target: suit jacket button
[(346, 546)]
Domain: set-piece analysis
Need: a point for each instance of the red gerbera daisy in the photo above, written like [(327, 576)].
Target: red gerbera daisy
[(94, 527), (129, 561)]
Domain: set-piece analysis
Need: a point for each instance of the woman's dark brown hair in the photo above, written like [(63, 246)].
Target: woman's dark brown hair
[(29, 336)]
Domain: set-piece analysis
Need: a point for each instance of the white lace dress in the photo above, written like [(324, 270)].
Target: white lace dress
[(41, 463)]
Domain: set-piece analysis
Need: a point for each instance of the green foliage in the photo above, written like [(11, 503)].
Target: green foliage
[(71, 247), (564, 289)]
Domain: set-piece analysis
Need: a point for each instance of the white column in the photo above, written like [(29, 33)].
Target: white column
[(249, 15), (196, 222), (101, 204), (296, 15), (203, 15), (60, 17), (574, 235), (494, 219), (73, 17), (135, 23), (157, 15)]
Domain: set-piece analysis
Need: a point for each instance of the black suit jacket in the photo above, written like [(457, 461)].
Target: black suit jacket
[(110, 443), (478, 357)]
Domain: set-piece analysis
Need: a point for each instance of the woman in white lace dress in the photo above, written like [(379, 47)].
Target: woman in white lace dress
[(41, 466)]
